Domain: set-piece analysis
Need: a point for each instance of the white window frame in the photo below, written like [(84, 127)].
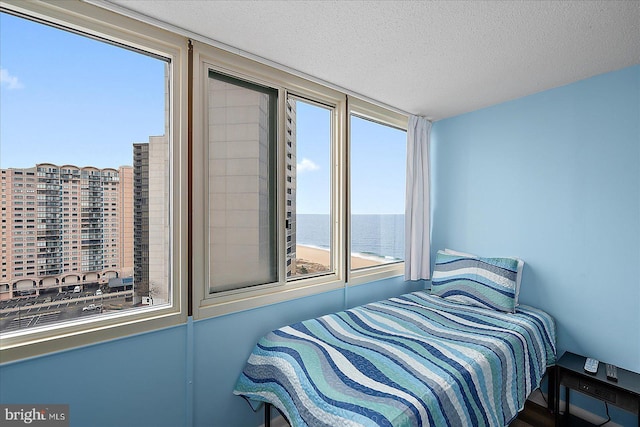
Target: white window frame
[(383, 116), (103, 24), (336, 207), (207, 58)]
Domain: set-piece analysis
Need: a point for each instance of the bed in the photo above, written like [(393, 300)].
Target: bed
[(420, 359)]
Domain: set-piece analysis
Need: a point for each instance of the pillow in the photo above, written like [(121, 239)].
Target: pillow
[(483, 282), (452, 252), (520, 268)]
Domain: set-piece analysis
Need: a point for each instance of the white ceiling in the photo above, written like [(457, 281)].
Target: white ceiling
[(433, 58)]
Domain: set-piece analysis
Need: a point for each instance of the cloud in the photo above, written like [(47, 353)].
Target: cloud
[(9, 81), (307, 165)]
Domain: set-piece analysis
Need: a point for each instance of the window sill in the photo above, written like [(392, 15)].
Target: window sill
[(265, 295), (16, 346), (371, 274)]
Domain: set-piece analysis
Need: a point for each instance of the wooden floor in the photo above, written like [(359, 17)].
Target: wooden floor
[(533, 415)]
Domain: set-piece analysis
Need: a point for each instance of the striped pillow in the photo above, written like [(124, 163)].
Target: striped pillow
[(482, 282), (518, 277)]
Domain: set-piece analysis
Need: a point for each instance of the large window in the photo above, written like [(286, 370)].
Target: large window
[(89, 180), (308, 188), (268, 217), (307, 221), (132, 195), (376, 171), (242, 184), (377, 199)]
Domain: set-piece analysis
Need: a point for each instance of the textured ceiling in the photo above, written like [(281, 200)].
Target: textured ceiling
[(433, 58)]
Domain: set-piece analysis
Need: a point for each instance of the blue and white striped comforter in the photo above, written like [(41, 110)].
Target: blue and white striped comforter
[(414, 360)]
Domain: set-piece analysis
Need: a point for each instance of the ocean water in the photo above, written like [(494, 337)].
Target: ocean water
[(371, 235)]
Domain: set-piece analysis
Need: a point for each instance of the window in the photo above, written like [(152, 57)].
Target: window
[(266, 149), (308, 147), (279, 164), (376, 206), (270, 235), (242, 184), (377, 200), (79, 121)]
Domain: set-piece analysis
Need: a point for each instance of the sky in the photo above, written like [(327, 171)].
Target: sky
[(378, 164), (65, 97), (59, 89)]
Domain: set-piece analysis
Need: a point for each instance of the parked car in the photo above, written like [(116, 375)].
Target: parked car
[(98, 292), (91, 307), (77, 289)]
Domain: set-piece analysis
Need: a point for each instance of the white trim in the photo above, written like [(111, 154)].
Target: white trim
[(207, 57)]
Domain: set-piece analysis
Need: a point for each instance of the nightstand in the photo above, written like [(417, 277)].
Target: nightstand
[(570, 373)]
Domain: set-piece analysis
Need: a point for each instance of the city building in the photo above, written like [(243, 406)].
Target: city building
[(141, 218), (151, 224), (64, 226), (290, 186)]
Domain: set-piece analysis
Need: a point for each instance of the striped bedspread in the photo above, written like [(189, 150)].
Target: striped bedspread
[(414, 360)]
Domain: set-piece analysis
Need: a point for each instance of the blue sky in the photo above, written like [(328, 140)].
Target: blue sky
[(60, 90), (64, 98), (378, 164)]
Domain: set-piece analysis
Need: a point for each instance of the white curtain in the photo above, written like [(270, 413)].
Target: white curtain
[(417, 257)]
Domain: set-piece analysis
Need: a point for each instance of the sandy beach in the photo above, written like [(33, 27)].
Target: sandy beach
[(321, 256)]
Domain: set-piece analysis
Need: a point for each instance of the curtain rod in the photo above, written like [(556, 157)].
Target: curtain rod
[(121, 10)]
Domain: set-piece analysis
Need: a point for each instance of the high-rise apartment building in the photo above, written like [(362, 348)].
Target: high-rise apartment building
[(290, 186), (159, 230), (126, 203), (141, 219), (64, 226), (151, 225)]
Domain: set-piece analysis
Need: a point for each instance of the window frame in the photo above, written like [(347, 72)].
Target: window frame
[(271, 159), (334, 229), (368, 111), (94, 22), (205, 58)]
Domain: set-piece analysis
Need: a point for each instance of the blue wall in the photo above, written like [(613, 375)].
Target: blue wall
[(554, 178), (135, 381), (180, 376)]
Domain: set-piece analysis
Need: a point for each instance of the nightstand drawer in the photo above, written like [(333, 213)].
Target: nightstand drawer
[(597, 390), (600, 390)]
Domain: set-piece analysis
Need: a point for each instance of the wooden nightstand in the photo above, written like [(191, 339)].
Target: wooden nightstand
[(570, 373)]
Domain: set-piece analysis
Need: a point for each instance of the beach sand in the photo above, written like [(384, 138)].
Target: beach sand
[(321, 256)]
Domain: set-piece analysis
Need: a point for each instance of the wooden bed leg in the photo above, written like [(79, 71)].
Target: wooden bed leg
[(267, 414)]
